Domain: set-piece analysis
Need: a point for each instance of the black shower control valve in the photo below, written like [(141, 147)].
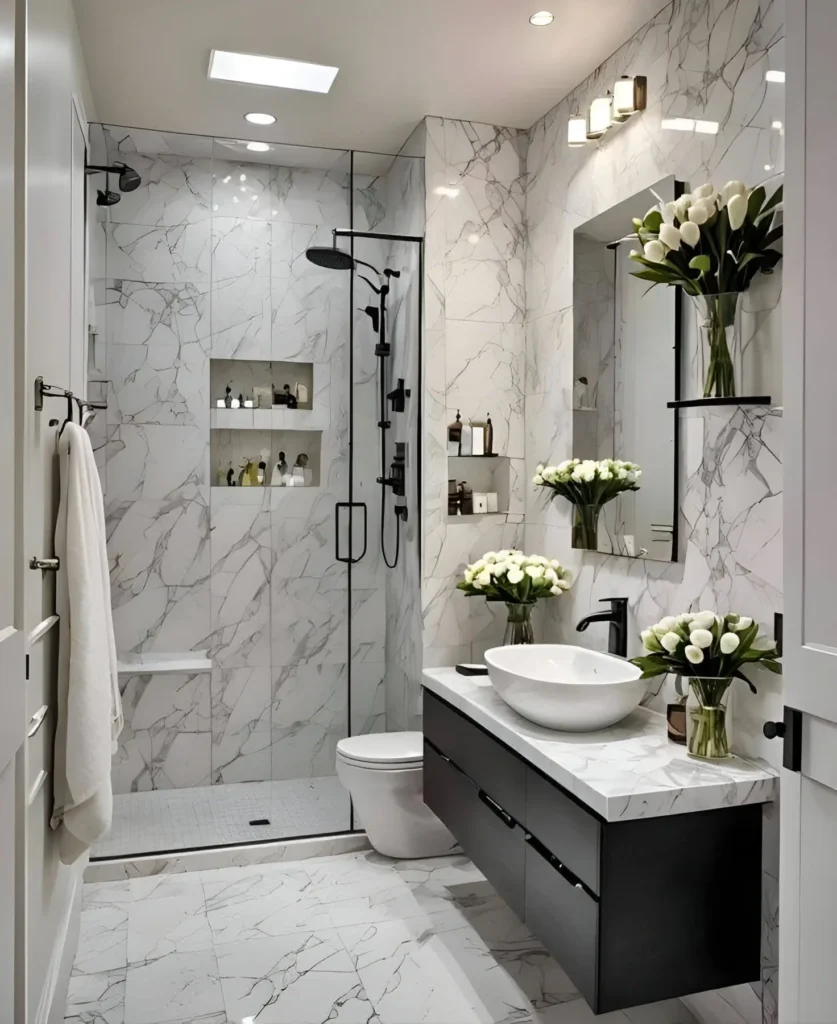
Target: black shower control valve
[(401, 512), (392, 273), (399, 396), (384, 424)]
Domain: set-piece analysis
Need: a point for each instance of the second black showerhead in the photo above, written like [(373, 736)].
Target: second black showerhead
[(128, 181)]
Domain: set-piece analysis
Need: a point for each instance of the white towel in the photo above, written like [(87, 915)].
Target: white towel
[(89, 705)]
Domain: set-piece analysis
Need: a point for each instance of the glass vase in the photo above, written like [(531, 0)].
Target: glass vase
[(708, 719), (719, 327), (519, 625), (586, 527)]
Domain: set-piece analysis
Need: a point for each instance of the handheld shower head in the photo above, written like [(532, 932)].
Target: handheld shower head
[(104, 197), (129, 179)]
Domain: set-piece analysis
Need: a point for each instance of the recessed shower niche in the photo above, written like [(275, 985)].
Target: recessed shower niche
[(299, 450)]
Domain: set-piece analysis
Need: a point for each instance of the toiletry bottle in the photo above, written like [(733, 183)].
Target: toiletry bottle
[(228, 397), (231, 476), (465, 444), (290, 399), (455, 436), (477, 437), (301, 392), (262, 467), (489, 436), (279, 477), (240, 400), (467, 493)]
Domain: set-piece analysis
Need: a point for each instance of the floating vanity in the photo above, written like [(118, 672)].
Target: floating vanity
[(638, 867)]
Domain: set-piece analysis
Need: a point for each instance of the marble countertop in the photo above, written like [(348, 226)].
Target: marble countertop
[(630, 770)]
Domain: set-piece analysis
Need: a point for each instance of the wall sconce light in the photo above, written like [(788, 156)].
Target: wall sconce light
[(577, 131), (601, 110), (629, 96)]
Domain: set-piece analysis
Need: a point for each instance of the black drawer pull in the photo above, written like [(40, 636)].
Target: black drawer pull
[(553, 861), (495, 808)]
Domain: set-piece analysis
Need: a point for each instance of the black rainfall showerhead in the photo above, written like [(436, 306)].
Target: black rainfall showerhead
[(330, 258), (129, 179)]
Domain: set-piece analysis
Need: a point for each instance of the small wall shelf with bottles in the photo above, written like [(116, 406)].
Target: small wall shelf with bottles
[(265, 458)]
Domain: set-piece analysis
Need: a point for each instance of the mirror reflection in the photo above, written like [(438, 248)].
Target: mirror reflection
[(625, 354)]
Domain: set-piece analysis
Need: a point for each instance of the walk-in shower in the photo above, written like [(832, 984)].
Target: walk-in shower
[(256, 625)]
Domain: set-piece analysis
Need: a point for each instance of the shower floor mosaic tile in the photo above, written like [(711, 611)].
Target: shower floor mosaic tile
[(182, 819), (356, 939)]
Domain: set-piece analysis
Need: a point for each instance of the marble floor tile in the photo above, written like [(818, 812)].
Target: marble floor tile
[(420, 942), (96, 998), (262, 905), (173, 988), (102, 944), (158, 926), (306, 978)]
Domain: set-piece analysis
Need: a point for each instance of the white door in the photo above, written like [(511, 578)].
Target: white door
[(12, 668), (808, 881)]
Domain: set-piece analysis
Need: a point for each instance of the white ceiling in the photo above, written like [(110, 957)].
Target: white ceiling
[(479, 60)]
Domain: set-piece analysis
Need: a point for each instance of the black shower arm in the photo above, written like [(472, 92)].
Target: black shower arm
[(100, 169)]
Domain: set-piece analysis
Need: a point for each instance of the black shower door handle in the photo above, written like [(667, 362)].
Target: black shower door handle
[(351, 506)]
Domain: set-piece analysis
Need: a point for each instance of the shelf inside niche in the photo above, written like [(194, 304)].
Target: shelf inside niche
[(485, 474), (712, 403), (227, 446), (242, 375)]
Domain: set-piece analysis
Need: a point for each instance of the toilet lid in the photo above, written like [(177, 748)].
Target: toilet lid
[(384, 748)]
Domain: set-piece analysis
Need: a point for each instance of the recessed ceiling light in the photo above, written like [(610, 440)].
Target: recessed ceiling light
[(260, 118), (257, 147), (273, 71), (541, 18), (774, 76)]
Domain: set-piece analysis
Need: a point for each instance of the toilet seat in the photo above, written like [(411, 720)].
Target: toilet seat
[(383, 751)]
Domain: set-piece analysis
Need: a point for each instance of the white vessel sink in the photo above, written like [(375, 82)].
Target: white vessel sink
[(562, 687)]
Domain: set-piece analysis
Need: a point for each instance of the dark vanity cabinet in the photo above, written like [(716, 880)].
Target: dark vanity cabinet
[(634, 911)]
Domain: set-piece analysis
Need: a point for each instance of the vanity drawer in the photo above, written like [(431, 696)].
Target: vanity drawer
[(481, 757), (484, 830), (564, 828), (565, 918)]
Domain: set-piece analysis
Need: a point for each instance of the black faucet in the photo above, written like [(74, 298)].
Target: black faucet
[(618, 618)]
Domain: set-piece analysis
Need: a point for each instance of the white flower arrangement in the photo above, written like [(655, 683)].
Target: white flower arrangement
[(588, 482), (707, 646), (515, 578), (710, 241)]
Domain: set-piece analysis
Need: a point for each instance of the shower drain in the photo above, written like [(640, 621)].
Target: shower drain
[(260, 821)]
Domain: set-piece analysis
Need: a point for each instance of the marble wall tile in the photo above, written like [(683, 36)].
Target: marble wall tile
[(241, 317), (309, 715), (167, 739), (310, 305), (179, 253), (240, 247), (311, 196), (242, 562), (309, 620), (241, 724), (153, 461), (485, 372), (243, 190)]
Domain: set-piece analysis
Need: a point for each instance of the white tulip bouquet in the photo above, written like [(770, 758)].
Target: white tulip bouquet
[(712, 244), (588, 485), (710, 651), (515, 578), (519, 580)]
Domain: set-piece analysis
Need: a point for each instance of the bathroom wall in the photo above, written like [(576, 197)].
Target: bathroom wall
[(474, 362), (206, 260), (705, 59)]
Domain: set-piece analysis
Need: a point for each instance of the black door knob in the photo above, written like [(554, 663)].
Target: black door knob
[(774, 730)]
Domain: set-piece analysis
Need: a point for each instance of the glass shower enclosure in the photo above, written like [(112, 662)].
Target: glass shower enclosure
[(265, 590)]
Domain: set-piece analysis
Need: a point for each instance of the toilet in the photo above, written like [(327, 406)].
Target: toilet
[(383, 773)]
